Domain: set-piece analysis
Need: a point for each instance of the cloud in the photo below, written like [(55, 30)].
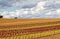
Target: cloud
[(43, 9), (30, 8), (6, 3)]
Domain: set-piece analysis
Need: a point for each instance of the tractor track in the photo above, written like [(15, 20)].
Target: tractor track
[(7, 33)]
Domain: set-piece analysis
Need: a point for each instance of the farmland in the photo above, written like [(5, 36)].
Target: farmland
[(30, 28)]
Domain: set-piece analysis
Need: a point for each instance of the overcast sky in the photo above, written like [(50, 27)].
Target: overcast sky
[(30, 8)]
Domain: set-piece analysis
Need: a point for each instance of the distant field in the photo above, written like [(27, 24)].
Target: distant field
[(30, 28)]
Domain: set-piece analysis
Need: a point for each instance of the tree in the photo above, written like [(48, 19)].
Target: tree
[(1, 16)]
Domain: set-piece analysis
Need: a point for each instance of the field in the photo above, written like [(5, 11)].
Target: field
[(30, 28)]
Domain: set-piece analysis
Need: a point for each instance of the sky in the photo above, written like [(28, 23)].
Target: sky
[(30, 8)]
